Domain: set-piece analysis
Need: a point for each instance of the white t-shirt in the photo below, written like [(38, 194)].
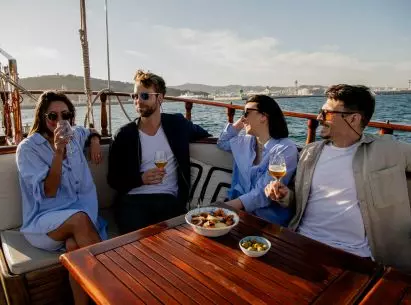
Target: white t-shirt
[(333, 215), (149, 145)]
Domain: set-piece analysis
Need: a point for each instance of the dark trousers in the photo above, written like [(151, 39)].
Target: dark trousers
[(134, 212)]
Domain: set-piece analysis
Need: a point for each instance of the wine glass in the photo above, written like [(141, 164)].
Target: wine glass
[(67, 133), (277, 167), (160, 159)]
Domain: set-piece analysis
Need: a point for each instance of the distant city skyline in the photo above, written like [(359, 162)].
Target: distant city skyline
[(261, 42)]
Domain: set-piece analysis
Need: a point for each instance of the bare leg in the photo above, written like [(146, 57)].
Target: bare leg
[(79, 296), (78, 231), (78, 227)]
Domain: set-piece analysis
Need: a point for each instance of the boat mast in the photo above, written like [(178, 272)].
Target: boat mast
[(108, 67)]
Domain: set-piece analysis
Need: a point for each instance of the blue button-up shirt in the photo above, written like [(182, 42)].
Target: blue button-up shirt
[(249, 180), (76, 193)]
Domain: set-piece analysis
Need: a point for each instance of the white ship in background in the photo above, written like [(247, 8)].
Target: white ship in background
[(192, 95)]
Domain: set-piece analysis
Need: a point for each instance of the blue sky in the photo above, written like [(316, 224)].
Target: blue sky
[(217, 42)]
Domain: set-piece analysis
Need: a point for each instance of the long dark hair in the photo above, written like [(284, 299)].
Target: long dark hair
[(277, 126), (43, 103)]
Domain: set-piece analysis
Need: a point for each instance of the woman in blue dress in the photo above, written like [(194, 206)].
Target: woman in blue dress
[(58, 193), (266, 134)]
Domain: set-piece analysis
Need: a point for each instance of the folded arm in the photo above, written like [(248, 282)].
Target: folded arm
[(230, 131)]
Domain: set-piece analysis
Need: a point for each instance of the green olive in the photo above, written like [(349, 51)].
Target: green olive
[(253, 245)]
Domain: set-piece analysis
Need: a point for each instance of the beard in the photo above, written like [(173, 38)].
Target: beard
[(147, 111), (325, 132)]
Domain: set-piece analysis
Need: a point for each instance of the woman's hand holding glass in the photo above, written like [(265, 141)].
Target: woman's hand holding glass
[(276, 191), (63, 135), (60, 141)]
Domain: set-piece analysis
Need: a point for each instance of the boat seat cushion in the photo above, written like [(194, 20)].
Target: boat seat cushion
[(209, 183), (22, 257), (10, 196)]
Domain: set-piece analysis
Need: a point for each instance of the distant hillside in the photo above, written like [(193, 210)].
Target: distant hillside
[(73, 82)]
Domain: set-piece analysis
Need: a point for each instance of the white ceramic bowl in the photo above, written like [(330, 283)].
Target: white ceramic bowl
[(211, 232), (252, 253)]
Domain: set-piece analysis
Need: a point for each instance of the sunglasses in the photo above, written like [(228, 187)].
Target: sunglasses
[(54, 116), (324, 112), (144, 96), (247, 112)]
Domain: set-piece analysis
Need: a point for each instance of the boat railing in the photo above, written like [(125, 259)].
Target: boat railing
[(312, 123)]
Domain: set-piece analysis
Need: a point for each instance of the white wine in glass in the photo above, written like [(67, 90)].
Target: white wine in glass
[(160, 159), (277, 167)]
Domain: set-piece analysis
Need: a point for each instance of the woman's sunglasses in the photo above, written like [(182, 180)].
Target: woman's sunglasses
[(54, 116), (247, 112), (144, 96)]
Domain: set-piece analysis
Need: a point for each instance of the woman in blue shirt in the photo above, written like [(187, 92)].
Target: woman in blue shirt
[(266, 134), (58, 193)]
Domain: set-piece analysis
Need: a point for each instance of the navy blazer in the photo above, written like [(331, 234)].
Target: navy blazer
[(125, 153)]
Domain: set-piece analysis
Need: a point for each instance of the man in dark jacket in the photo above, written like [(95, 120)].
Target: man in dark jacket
[(148, 194)]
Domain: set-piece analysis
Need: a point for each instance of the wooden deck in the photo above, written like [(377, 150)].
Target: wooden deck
[(169, 263)]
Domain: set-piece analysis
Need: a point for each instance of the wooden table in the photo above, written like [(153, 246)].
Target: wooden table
[(169, 263), (393, 288)]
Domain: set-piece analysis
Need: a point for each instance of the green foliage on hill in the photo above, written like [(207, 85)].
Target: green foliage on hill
[(73, 82)]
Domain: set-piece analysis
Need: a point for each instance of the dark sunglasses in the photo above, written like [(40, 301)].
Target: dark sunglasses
[(323, 113), (144, 96), (54, 116), (247, 112)]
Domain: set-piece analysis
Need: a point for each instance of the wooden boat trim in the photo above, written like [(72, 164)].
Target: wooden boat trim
[(312, 123)]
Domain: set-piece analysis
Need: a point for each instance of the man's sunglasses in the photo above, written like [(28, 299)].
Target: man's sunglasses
[(247, 112), (54, 116), (323, 113), (143, 96)]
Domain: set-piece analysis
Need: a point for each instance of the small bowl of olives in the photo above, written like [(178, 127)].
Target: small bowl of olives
[(255, 246)]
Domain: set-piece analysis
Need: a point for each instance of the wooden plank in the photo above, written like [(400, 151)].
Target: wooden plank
[(154, 270), (185, 278), (156, 285), (89, 272), (294, 260), (328, 255), (128, 280), (269, 269), (220, 287), (215, 272), (393, 288), (122, 240), (346, 289), (214, 253)]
